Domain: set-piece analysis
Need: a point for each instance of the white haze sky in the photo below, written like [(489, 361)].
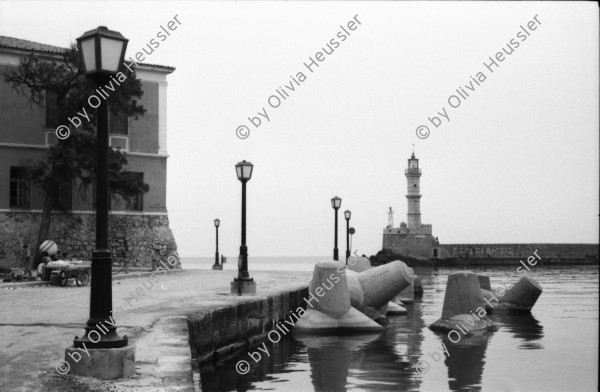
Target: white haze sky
[(518, 161)]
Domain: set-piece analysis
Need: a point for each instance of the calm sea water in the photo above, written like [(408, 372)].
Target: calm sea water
[(555, 348), (256, 263)]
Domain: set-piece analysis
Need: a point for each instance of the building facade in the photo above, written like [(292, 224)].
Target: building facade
[(138, 229), (412, 239)]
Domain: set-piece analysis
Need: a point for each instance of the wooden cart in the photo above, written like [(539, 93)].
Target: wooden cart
[(65, 274)]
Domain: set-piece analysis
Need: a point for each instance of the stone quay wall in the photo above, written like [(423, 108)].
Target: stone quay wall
[(144, 239), (558, 251), (218, 333)]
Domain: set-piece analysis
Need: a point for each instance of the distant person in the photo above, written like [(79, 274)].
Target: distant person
[(26, 255), (65, 256), (45, 260), (26, 258)]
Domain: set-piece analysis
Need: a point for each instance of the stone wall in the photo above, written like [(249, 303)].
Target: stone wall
[(146, 239), (216, 334), (419, 246), (522, 250)]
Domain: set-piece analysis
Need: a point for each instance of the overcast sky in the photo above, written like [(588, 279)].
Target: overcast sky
[(516, 162)]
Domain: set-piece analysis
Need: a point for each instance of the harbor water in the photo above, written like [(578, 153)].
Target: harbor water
[(553, 348)]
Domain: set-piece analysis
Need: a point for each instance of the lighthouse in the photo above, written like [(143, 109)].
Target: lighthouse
[(412, 238), (413, 194)]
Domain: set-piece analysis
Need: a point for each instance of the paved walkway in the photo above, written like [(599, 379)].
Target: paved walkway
[(37, 323)]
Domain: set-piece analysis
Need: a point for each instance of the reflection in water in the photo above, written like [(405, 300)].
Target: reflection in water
[(372, 362), (330, 358), (409, 330), (382, 365), (523, 326), (465, 361), (226, 378)]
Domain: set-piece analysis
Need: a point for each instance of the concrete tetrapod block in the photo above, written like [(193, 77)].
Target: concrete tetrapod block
[(330, 288), (357, 298), (329, 306), (407, 296), (104, 363), (489, 295), (357, 295), (463, 294), (354, 321), (372, 290), (394, 309), (358, 264), (381, 284), (484, 282), (464, 308), (523, 295), (418, 286), (465, 323)]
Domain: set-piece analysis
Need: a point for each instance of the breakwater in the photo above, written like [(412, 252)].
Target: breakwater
[(550, 251), (218, 333), (496, 254)]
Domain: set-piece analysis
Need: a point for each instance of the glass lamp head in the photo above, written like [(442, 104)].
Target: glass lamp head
[(336, 202), (243, 170), (102, 51)]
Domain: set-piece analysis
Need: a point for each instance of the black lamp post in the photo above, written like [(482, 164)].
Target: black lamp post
[(217, 266), (336, 203), (102, 52), (347, 214), (243, 283)]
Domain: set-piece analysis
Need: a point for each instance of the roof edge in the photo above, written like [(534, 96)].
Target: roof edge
[(56, 52)]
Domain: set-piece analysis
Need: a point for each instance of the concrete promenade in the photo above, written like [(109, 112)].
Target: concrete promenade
[(38, 321)]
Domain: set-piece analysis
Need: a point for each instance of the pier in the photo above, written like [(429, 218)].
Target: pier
[(39, 321)]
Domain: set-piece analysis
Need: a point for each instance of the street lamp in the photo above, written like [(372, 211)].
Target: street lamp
[(217, 266), (351, 231), (243, 284), (347, 214), (102, 52), (336, 203)]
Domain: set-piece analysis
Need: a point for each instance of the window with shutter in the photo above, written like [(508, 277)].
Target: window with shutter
[(19, 187), (136, 202), (51, 110)]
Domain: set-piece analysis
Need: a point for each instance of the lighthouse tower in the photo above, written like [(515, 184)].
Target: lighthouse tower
[(413, 195), (412, 239)]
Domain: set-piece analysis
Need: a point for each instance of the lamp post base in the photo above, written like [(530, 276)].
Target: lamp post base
[(104, 363), (217, 267), (101, 329), (242, 286), (103, 339)]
